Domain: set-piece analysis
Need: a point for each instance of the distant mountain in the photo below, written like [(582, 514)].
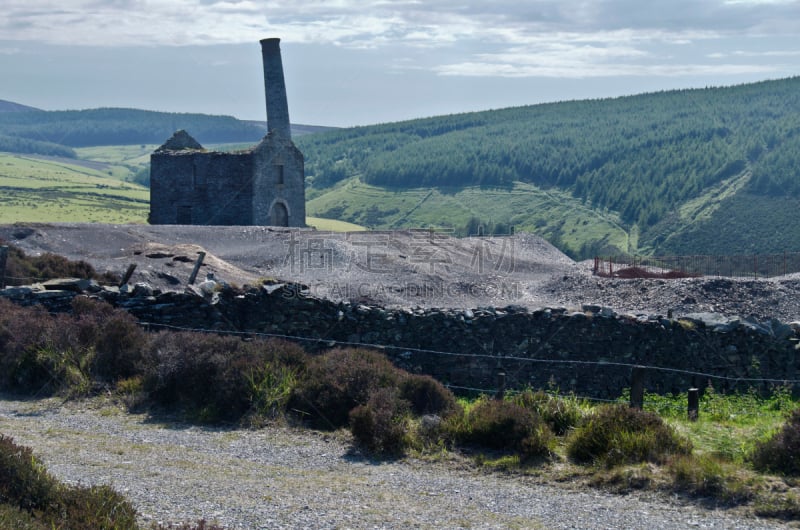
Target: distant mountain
[(10, 106)]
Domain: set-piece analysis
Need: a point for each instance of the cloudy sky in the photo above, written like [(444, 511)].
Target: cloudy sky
[(351, 62)]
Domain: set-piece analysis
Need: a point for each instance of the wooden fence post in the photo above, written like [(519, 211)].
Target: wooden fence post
[(200, 257), (694, 404), (501, 385), (637, 387), (3, 258), (128, 274)]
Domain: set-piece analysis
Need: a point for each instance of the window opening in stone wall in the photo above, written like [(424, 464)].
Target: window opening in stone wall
[(279, 174)]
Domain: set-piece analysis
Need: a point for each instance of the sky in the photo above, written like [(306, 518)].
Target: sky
[(349, 62)]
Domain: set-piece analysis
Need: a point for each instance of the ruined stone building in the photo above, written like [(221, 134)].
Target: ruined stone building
[(263, 185)]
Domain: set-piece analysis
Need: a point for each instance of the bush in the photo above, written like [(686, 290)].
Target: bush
[(115, 336), (780, 453), (338, 381), (560, 413), (46, 371), (22, 330), (24, 270), (25, 483), (47, 353), (427, 395), (220, 378), (379, 426), (619, 434), (504, 425)]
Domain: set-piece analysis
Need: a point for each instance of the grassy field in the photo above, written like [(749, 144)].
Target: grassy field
[(332, 225), (551, 213), (36, 190)]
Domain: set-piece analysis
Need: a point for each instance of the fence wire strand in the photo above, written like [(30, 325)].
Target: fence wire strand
[(334, 342)]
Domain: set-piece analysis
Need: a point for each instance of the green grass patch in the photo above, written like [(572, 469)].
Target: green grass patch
[(35, 190), (333, 225), (556, 215)]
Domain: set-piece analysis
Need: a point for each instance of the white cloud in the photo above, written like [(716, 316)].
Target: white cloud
[(572, 38)]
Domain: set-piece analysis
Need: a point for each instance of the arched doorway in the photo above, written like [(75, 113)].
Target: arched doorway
[(280, 215)]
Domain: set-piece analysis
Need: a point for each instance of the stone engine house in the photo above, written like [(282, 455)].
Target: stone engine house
[(263, 185)]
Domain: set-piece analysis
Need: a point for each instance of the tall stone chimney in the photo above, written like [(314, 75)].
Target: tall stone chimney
[(275, 88)]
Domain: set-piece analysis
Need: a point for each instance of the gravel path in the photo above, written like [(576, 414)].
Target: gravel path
[(286, 478)]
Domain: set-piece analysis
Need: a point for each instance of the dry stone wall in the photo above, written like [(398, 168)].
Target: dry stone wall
[(589, 352)]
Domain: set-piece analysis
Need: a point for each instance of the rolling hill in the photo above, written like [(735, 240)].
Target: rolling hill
[(709, 170), (690, 171)]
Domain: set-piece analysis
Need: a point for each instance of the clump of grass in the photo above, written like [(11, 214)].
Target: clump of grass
[(706, 476), (617, 434), (507, 426), (561, 413)]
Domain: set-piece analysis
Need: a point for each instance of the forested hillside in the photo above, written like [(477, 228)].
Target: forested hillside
[(113, 126), (642, 158)]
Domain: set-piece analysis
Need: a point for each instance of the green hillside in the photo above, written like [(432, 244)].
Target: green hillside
[(669, 169)]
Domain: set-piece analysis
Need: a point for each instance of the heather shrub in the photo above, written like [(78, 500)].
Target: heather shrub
[(498, 424), (220, 378), (618, 434), (561, 413), (22, 269), (118, 341), (427, 395), (379, 426), (338, 381), (194, 372), (781, 452), (25, 483), (22, 329)]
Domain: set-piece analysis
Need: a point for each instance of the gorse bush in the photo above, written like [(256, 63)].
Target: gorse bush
[(781, 452), (618, 434), (25, 484)]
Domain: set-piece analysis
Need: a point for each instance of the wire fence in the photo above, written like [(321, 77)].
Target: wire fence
[(733, 266), (747, 407)]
